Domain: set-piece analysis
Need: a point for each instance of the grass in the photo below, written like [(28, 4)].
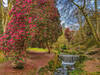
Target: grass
[(37, 50), (41, 50), (80, 72), (95, 73), (2, 57)]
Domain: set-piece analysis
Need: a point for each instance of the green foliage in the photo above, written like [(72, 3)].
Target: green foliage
[(42, 71), (51, 67), (60, 42), (78, 72), (79, 65), (18, 66), (71, 52), (81, 72), (64, 47), (82, 58), (84, 46), (95, 73), (91, 42)]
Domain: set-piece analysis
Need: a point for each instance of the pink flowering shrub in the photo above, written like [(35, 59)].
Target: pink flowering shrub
[(48, 29), (18, 29), (29, 19)]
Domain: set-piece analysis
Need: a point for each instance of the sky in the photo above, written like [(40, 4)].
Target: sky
[(63, 14), (5, 3), (60, 6)]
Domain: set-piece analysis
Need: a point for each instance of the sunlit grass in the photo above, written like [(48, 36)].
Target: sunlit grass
[(40, 50), (2, 57), (37, 50)]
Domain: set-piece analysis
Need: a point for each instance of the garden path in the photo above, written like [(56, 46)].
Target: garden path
[(33, 63)]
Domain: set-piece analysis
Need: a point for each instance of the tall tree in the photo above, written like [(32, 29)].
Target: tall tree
[(46, 34), (5, 7), (86, 7)]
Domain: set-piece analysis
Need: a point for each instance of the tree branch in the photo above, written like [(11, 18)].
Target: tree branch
[(76, 4), (84, 4)]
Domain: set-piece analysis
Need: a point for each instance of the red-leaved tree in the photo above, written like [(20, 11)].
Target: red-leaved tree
[(68, 35)]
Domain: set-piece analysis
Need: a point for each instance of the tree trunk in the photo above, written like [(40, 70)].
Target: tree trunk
[(5, 21), (95, 35), (49, 49), (92, 29), (97, 19), (5, 15), (68, 45)]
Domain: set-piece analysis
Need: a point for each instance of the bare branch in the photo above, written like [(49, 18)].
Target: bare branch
[(76, 4), (84, 4)]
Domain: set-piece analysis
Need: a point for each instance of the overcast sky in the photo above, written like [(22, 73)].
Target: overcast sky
[(63, 15), (5, 3)]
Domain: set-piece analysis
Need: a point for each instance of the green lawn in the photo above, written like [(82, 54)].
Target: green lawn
[(40, 50), (37, 50)]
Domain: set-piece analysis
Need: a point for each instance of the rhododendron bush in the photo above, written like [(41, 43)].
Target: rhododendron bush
[(28, 17), (49, 28), (17, 31)]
